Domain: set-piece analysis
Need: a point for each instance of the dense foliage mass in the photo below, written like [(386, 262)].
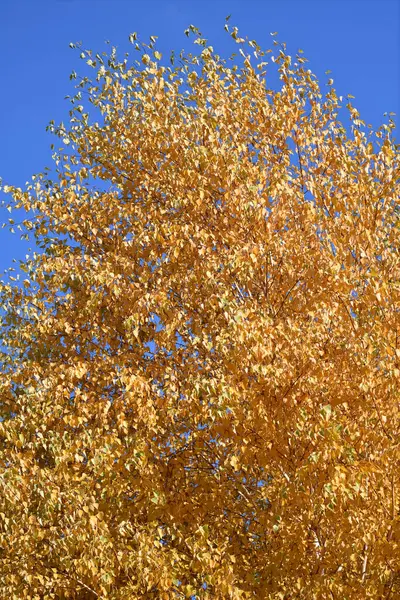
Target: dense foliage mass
[(200, 371)]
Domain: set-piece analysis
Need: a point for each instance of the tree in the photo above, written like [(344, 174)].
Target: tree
[(200, 372)]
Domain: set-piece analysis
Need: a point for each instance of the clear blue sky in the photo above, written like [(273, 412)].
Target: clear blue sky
[(358, 40)]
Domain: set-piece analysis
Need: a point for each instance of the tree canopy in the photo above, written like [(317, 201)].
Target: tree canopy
[(200, 365)]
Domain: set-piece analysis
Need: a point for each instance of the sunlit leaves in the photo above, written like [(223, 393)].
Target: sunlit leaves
[(201, 366)]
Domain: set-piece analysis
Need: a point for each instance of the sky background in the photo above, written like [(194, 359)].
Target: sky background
[(358, 40)]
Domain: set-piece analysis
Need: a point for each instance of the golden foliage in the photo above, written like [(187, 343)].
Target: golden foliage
[(200, 372)]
